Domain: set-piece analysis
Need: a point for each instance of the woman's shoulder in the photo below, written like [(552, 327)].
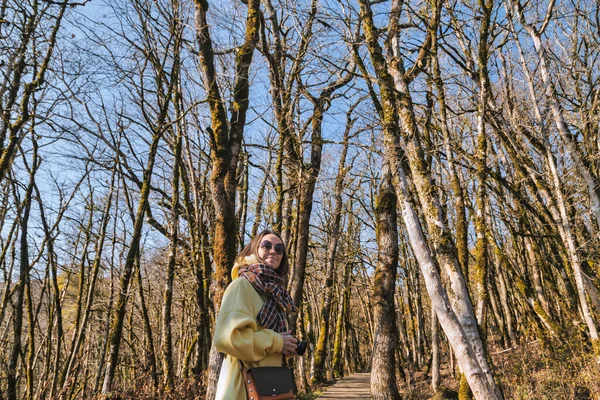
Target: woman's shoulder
[(240, 294), (240, 284)]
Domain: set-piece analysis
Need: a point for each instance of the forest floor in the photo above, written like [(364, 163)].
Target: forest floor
[(526, 373)]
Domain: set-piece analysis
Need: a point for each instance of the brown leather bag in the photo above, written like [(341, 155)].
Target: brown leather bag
[(273, 383)]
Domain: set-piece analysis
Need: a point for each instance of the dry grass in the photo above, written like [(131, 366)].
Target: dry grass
[(528, 372), (565, 372)]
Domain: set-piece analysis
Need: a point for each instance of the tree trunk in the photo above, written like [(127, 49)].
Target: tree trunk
[(383, 365), (167, 341), (307, 187), (481, 245), (81, 329), (337, 360), (225, 144)]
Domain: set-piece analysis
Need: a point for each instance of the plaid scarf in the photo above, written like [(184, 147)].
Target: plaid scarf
[(266, 281)]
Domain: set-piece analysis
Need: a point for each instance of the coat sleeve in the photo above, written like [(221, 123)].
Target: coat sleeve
[(236, 331)]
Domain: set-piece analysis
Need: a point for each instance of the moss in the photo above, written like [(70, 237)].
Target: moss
[(543, 315), (596, 347), (464, 391), (521, 286)]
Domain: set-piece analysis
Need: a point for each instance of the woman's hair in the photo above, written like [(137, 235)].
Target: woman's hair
[(252, 249)]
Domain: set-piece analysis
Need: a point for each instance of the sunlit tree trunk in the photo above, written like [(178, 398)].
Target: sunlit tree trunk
[(340, 332), (481, 246), (194, 196), (439, 234)]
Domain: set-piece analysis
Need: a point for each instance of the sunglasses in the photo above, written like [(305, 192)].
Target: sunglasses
[(267, 245)]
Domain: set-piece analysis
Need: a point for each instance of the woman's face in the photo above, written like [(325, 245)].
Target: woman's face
[(270, 251)]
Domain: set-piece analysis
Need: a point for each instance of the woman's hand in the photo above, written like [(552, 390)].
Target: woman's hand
[(289, 344)]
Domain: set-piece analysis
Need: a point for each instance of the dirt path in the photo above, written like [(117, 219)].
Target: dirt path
[(355, 386)]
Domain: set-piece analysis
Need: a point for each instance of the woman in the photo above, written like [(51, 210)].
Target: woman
[(252, 325)]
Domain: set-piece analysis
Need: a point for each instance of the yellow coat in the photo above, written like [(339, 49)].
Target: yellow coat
[(238, 335)]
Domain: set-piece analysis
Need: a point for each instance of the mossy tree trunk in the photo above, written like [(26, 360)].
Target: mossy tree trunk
[(241, 212), (225, 138), (439, 234), (461, 224), (167, 338), (195, 201), (159, 123), (340, 331), (481, 245), (116, 325), (383, 360)]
